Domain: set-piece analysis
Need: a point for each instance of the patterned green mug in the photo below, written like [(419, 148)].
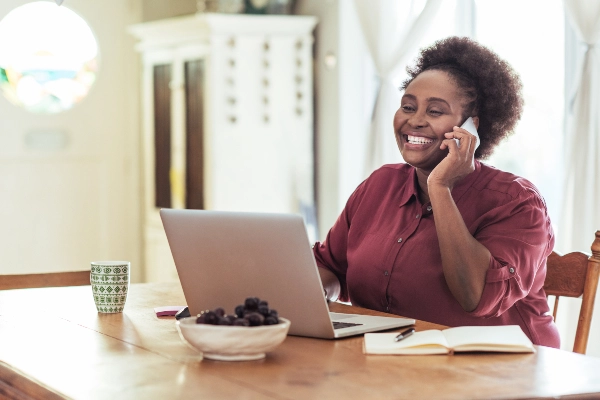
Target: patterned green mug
[(110, 284)]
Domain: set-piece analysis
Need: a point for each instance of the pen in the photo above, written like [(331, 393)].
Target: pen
[(404, 335)]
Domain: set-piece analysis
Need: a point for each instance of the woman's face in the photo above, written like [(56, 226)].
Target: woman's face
[(432, 105)]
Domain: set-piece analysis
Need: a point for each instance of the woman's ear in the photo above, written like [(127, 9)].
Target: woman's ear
[(476, 122)]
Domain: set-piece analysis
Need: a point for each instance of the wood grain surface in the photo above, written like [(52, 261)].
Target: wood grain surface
[(52, 340), (51, 279), (566, 274)]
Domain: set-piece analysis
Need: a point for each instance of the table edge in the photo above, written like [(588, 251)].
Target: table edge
[(16, 384)]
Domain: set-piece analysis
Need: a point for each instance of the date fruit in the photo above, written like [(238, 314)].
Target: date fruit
[(253, 312)]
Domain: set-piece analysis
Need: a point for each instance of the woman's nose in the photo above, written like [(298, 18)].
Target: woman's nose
[(417, 120)]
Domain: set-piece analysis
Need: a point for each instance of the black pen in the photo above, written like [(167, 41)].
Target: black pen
[(404, 335)]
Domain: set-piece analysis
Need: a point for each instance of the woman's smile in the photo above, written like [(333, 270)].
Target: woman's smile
[(417, 140)]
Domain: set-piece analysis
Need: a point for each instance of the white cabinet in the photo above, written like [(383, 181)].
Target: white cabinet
[(228, 119)]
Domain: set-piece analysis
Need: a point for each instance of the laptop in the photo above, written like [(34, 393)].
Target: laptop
[(224, 257)]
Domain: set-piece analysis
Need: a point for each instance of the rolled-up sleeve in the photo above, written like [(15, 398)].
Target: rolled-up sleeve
[(519, 236)]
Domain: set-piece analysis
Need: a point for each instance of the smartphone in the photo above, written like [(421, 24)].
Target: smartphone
[(469, 126)]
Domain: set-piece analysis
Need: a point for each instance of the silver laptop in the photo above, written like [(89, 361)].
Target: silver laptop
[(224, 257)]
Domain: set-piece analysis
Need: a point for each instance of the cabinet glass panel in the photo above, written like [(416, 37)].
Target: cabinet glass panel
[(162, 135), (194, 120)]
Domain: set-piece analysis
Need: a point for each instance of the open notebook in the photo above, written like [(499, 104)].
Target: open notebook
[(505, 339)]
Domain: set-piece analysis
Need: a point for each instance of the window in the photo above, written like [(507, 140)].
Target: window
[(537, 54), (48, 57), (535, 150)]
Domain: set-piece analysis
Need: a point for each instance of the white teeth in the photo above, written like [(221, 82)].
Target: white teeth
[(418, 140)]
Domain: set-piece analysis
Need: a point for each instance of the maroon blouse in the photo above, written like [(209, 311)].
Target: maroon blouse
[(384, 250)]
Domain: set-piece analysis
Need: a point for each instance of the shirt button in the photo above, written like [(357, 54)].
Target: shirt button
[(511, 270), (386, 273), (400, 240), (417, 216), (429, 208)]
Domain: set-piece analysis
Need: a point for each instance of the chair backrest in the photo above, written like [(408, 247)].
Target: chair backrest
[(576, 275), (53, 279)]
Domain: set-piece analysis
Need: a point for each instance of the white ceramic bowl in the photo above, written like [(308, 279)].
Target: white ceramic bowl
[(232, 343)]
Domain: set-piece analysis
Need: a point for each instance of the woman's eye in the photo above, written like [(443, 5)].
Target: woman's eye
[(435, 112), (407, 108)]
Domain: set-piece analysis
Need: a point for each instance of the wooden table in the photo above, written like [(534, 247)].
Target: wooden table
[(53, 344)]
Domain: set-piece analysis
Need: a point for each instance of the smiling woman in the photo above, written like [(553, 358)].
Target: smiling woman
[(457, 242), (48, 57)]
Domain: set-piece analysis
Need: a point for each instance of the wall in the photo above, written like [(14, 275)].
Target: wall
[(343, 97), (63, 208)]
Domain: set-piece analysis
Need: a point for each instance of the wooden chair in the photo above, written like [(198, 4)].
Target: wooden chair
[(53, 279), (576, 275)]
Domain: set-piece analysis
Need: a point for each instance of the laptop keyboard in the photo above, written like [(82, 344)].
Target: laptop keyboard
[(340, 325)]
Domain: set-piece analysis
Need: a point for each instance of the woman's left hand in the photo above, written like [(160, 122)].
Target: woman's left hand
[(458, 163)]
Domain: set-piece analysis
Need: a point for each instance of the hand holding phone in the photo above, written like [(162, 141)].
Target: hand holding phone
[(469, 126)]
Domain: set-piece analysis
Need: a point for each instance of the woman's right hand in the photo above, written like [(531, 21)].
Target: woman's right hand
[(331, 284)]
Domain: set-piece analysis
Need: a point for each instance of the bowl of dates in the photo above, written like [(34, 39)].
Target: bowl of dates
[(248, 333)]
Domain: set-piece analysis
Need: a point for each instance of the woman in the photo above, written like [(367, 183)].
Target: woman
[(444, 238)]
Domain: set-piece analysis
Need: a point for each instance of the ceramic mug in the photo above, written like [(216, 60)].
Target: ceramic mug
[(110, 284)]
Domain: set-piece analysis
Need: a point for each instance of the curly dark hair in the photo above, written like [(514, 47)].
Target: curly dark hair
[(490, 86)]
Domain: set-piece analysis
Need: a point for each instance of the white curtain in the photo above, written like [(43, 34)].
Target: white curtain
[(581, 211), (392, 33)]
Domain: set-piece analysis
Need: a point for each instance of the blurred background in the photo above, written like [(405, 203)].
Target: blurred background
[(113, 109)]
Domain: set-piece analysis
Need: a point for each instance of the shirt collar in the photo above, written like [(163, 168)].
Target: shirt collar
[(409, 187)]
